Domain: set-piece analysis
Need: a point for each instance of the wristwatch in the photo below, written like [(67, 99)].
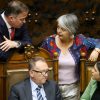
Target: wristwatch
[(18, 44), (97, 49)]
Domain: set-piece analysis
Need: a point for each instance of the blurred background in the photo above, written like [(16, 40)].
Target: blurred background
[(43, 14)]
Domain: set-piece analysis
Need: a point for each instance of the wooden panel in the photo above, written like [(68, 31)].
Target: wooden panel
[(15, 76), (3, 3), (42, 22), (14, 63), (1, 82), (88, 75), (1, 88)]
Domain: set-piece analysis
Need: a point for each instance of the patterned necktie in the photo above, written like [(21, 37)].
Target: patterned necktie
[(12, 33), (39, 95)]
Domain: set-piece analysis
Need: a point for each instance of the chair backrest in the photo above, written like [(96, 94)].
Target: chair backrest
[(16, 68), (12, 71), (85, 70), (52, 61)]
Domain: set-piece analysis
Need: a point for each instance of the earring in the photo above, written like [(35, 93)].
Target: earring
[(72, 36)]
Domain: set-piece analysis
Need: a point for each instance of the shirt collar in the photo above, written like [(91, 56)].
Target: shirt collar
[(34, 85), (8, 25)]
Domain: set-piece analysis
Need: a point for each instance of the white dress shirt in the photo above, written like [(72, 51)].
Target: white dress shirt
[(34, 91), (7, 24)]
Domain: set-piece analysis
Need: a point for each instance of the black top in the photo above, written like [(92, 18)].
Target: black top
[(96, 95)]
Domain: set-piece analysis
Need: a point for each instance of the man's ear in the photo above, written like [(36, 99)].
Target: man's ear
[(31, 73), (11, 18)]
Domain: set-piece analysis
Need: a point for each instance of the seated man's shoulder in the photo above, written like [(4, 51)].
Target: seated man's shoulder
[(51, 83), (20, 84)]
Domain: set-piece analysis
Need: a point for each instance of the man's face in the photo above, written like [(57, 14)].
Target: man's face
[(39, 74), (19, 20)]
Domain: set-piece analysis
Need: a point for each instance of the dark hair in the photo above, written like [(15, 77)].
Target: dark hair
[(15, 7), (32, 62), (98, 65)]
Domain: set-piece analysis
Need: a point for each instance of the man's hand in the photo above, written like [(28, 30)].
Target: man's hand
[(7, 44)]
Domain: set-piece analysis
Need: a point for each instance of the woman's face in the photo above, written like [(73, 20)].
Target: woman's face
[(63, 33), (95, 73)]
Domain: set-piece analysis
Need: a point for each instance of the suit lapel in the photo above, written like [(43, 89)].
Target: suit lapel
[(4, 29), (27, 89), (6, 33), (48, 91)]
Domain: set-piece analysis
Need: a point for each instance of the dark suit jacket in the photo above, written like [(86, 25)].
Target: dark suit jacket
[(21, 34), (22, 91)]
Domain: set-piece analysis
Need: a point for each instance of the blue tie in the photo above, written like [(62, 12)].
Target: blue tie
[(39, 95)]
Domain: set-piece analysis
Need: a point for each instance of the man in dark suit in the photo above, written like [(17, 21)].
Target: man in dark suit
[(27, 89), (13, 31)]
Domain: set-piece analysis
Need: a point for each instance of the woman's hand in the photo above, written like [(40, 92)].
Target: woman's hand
[(94, 55)]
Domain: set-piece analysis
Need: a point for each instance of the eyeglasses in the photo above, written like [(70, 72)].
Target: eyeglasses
[(41, 72)]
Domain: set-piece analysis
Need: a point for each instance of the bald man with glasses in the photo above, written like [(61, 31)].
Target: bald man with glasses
[(37, 86)]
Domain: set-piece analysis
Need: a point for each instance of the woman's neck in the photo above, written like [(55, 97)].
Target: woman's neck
[(64, 42), (63, 45)]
